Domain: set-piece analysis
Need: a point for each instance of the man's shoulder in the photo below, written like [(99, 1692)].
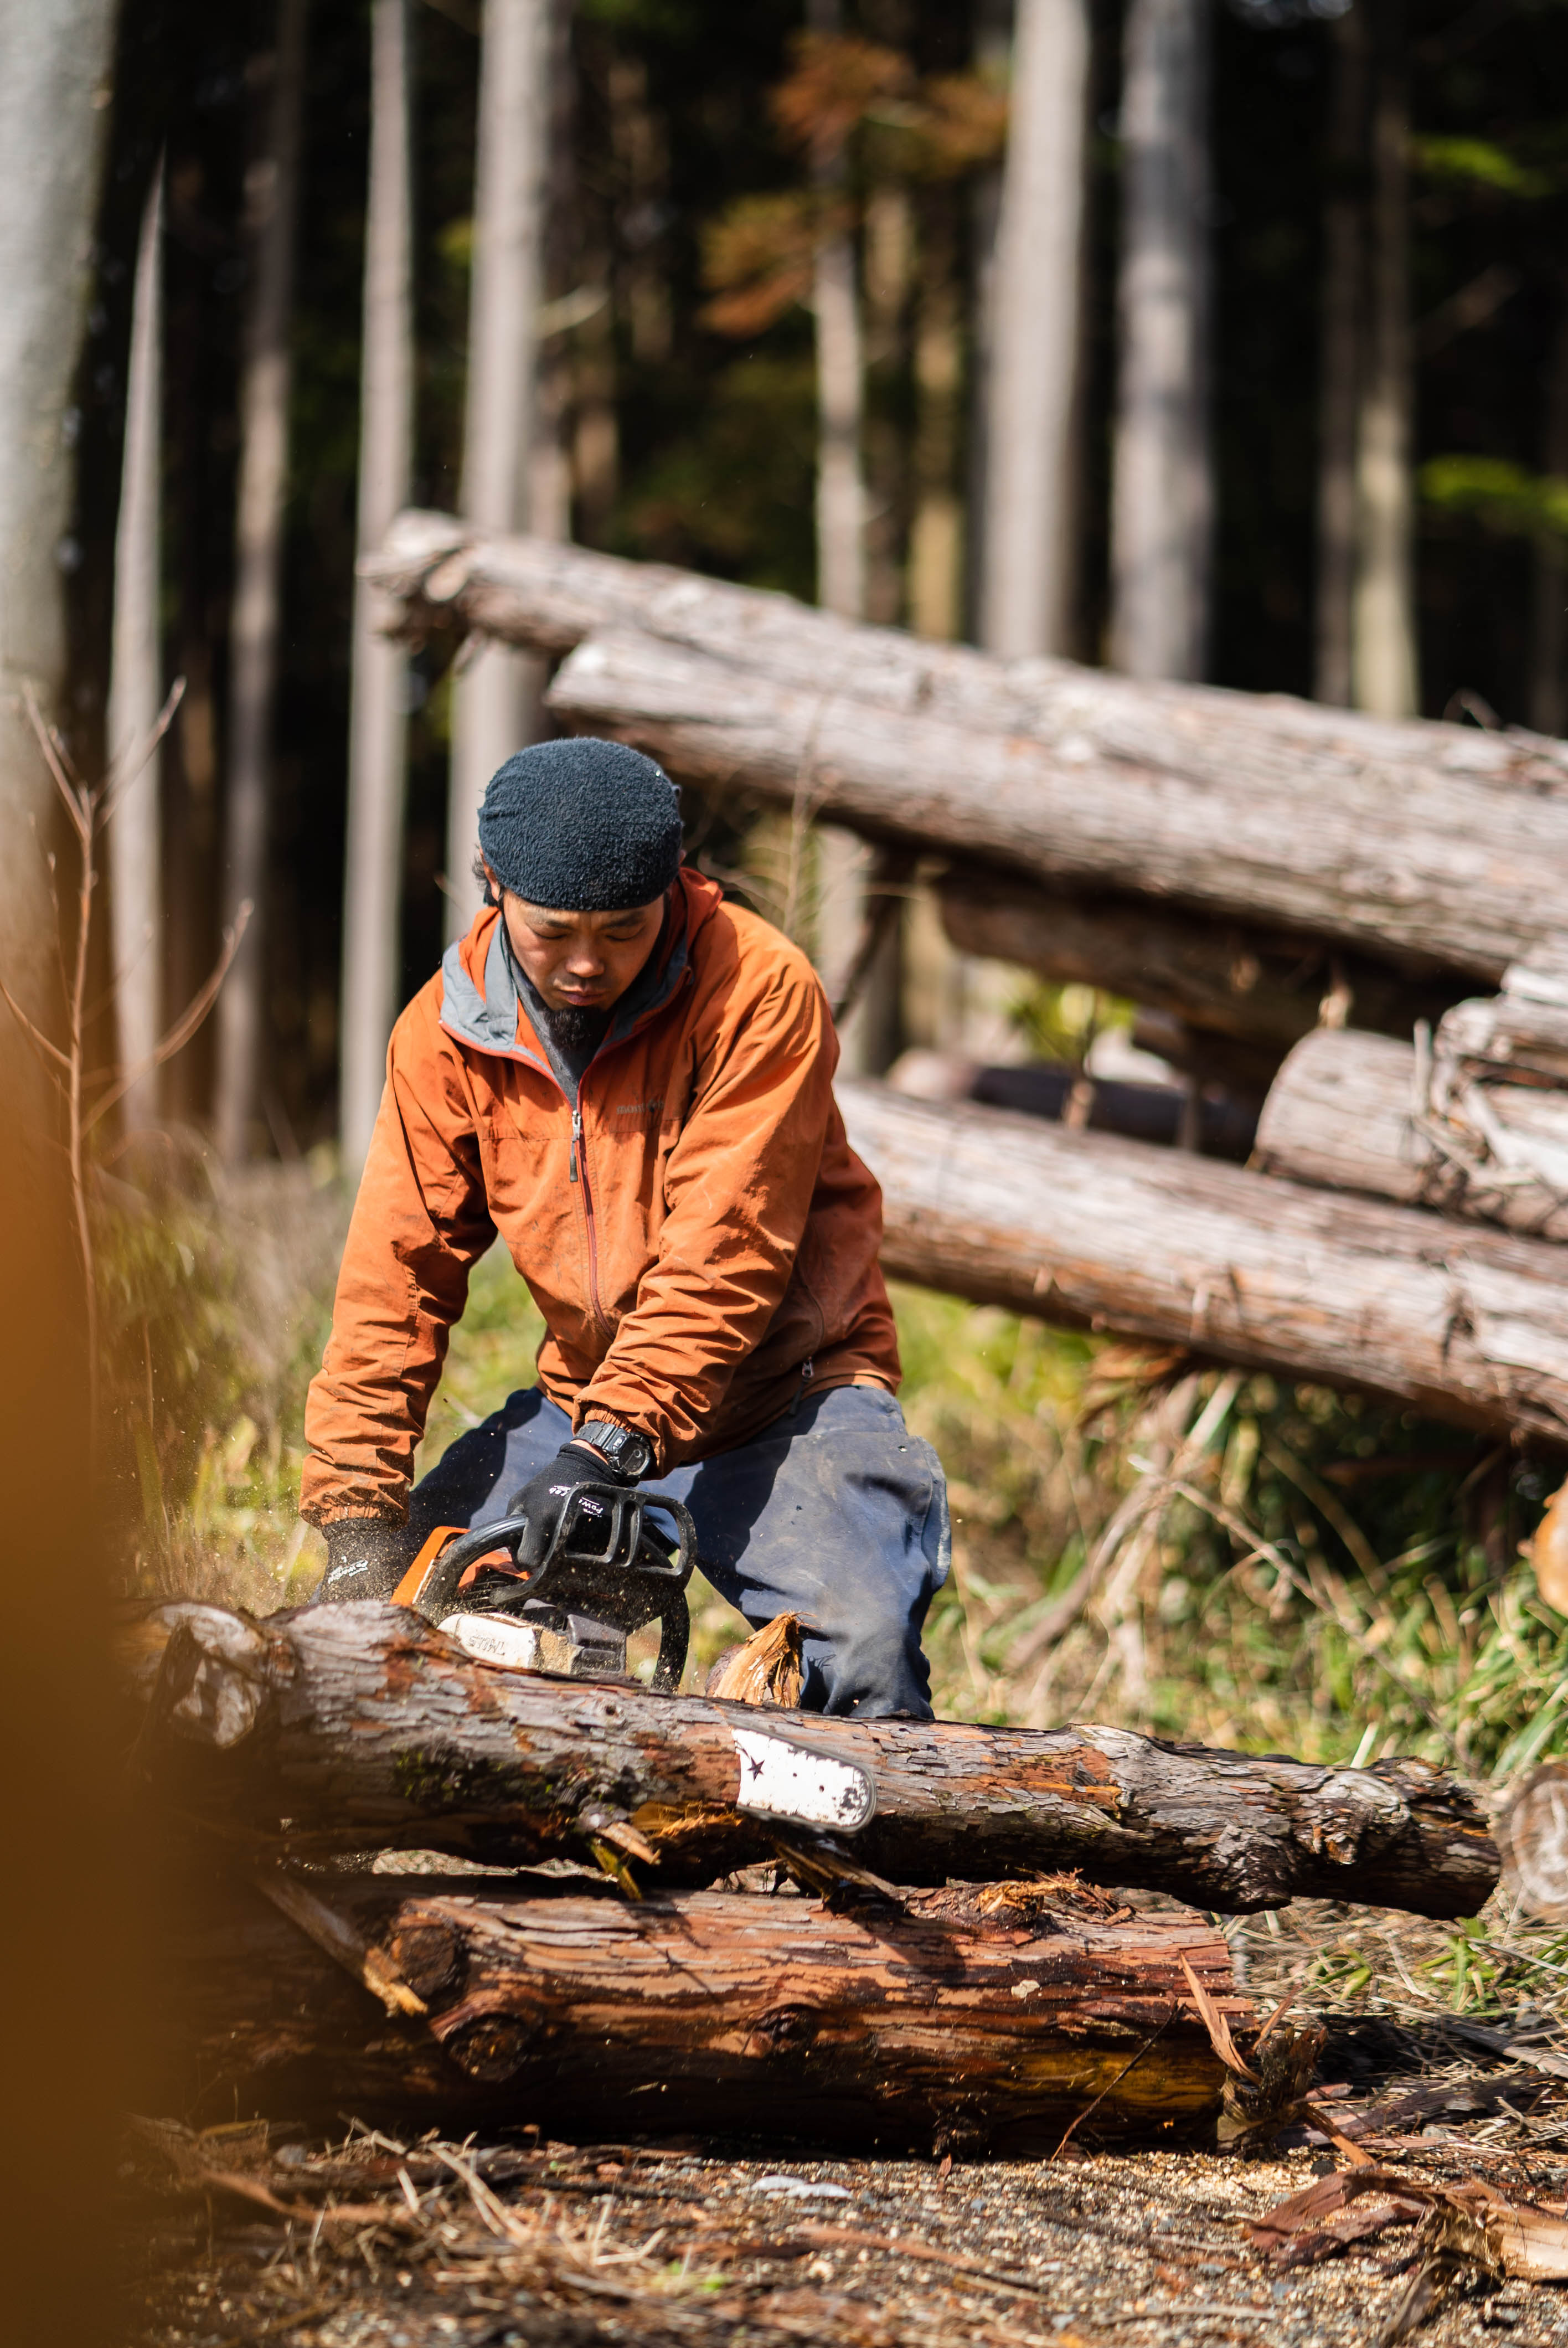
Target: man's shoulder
[(741, 946)]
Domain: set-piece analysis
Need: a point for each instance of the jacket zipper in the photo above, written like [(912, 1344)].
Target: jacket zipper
[(579, 1159)]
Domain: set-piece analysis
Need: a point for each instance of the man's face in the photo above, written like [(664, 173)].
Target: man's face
[(580, 961)]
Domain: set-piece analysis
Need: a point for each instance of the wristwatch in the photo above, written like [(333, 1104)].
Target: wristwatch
[(630, 1455)]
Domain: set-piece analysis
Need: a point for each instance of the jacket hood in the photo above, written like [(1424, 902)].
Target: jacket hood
[(480, 1002)]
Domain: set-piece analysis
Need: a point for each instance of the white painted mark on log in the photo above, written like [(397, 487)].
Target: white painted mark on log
[(779, 1780)]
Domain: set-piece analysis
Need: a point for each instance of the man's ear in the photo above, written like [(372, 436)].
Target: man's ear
[(489, 887)]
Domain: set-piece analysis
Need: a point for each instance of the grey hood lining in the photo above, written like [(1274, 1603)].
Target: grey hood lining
[(488, 1022)]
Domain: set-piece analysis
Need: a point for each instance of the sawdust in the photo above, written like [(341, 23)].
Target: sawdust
[(242, 2235)]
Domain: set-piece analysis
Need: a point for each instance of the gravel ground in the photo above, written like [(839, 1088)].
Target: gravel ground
[(249, 2233)]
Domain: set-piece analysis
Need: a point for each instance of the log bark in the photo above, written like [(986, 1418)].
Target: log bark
[(362, 1725), (933, 2022), (1446, 843), (1353, 1112), (1471, 1326), (1228, 978)]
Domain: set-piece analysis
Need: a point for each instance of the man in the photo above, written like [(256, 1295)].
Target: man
[(630, 1080)]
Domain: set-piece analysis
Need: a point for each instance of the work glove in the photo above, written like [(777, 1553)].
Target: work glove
[(366, 1556), (543, 1499)]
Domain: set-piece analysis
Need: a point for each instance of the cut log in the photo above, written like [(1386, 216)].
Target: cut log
[(1348, 1112), (1441, 841), (936, 2021), (1469, 1324), (361, 1725), (1257, 985)]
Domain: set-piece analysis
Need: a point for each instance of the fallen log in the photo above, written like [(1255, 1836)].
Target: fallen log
[(1228, 978), (1083, 1229), (1354, 1112), (939, 2022), (342, 1728), (1441, 841)]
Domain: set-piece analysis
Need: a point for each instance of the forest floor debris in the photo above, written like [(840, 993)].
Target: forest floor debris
[(252, 2232)]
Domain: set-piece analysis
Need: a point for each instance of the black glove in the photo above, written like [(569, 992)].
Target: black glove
[(366, 1557), (543, 1498)]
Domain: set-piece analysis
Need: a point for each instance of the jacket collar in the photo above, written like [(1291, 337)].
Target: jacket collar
[(482, 1004)]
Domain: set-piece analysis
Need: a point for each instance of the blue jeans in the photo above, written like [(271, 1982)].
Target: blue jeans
[(835, 1512)]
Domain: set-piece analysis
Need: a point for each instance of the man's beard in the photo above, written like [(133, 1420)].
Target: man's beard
[(576, 1027)]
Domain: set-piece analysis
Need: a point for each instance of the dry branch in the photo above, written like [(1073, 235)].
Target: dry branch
[(945, 2020), (347, 1727), (1439, 841)]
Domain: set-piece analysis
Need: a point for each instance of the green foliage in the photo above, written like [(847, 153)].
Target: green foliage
[(1480, 163), (1503, 496)]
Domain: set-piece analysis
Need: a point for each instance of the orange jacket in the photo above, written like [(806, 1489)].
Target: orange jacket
[(702, 1246)]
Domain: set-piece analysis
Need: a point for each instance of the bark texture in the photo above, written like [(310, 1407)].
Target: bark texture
[(1162, 512), (937, 2021), (1445, 843), (494, 706), (1035, 302), (1383, 605), (136, 685), (362, 1725), (1477, 1128), (1227, 978), (1081, 1228), (271, 198), (378, 722), (54, 67)]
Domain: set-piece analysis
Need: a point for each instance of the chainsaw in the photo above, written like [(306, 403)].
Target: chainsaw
[(605, 1574)]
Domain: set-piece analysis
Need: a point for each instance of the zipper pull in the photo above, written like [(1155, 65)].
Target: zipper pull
[(576, 1137)]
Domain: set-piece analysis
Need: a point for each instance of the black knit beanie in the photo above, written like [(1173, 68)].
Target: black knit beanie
[(581, 826)]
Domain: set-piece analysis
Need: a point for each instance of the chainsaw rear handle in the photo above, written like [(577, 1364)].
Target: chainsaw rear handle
[(627, 1558)]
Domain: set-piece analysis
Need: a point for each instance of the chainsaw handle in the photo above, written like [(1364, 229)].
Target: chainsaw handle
[(430, 1585)]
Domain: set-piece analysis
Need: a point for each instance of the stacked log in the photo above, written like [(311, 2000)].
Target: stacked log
[(1475, 1125), (942, 2011), (1267, 877), (1439, 848)]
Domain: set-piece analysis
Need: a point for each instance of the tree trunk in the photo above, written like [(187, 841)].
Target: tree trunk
[(1444, 843), (136, 685), (271, 192), (1470, 1325), (1452, 870), (1549, 645), (1263, 986), (1384, 659), (495, 702), (942, 2022), (1029, 533), (1162, 505), (1342, 325), (362, 1724), (1485, 1136), (378, 725), (53, 64)]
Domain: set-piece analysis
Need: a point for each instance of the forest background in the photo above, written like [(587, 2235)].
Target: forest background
[(1362, 257)]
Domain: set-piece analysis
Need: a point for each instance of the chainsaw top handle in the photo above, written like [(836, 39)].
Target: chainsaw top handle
[(601, 1558)]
